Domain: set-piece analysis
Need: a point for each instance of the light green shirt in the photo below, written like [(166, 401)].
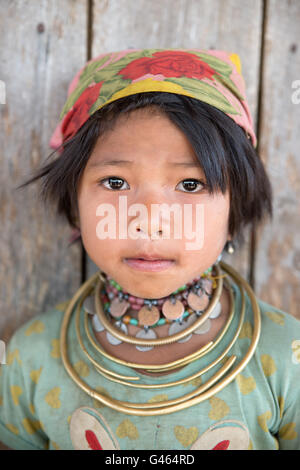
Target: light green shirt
[(42, 408)]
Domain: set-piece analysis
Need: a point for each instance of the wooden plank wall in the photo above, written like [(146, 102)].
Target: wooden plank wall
[(40, 48), (43, 44), (277, 264)]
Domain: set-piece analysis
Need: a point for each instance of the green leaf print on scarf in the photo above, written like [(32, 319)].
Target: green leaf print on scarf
[(205, 92)]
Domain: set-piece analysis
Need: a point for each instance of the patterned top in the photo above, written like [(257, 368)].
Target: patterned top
[(42, 408)]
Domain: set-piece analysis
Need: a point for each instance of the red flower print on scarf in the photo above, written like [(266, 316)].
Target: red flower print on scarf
[(168, 64), (79, 113)]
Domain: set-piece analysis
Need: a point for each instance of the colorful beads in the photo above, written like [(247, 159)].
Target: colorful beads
[(115, 284), (186, 300)]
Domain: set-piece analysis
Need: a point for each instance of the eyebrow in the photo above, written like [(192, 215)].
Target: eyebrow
[(130, 163)]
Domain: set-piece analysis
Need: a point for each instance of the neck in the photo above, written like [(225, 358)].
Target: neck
[(193, 297)]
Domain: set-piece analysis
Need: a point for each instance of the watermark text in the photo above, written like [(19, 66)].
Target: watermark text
[(296, 95), (2, 92), (188, 222), (2, 352)]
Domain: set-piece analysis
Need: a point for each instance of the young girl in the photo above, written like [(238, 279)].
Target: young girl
[(167, 346)]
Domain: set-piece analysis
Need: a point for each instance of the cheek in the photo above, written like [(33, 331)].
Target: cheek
[(216, 219), (97, 227)]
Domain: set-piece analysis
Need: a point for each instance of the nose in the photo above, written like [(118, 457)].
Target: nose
[(151, 220), (152, 234)]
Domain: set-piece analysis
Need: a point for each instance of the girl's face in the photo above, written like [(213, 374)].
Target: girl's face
[(158, 167)]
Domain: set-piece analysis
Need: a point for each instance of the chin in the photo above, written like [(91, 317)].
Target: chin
[(154, 292)]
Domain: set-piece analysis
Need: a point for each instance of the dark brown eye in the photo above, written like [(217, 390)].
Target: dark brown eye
[(113, 183), (191, 185)]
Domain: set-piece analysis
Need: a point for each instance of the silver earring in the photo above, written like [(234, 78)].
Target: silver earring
[(229, 247)]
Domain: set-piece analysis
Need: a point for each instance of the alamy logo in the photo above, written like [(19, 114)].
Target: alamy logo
[(160, 222), (2, 93), (296, 94), (2, 352)]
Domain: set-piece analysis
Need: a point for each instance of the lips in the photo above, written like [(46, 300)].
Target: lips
[(150, 257), (151, 264)]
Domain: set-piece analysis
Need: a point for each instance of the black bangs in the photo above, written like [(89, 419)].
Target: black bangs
[(224, 152)]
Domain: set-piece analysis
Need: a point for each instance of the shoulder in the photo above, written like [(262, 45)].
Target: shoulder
[(32, 363), (279, 341), (37, 337), (277, 325)]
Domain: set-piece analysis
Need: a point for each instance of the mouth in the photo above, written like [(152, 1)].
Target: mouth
[(149, 263)]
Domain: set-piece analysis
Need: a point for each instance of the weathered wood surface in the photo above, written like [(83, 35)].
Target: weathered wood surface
[(40, 47), (277, 268)]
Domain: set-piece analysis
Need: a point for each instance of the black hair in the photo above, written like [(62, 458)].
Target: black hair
[(223, 149)]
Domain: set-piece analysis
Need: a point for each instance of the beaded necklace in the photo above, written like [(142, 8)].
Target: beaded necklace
[(180, 309)]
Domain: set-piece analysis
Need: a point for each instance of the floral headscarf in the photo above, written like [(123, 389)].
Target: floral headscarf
[(207, 75)]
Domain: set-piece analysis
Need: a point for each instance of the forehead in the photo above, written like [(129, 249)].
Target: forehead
[(143, 134)]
